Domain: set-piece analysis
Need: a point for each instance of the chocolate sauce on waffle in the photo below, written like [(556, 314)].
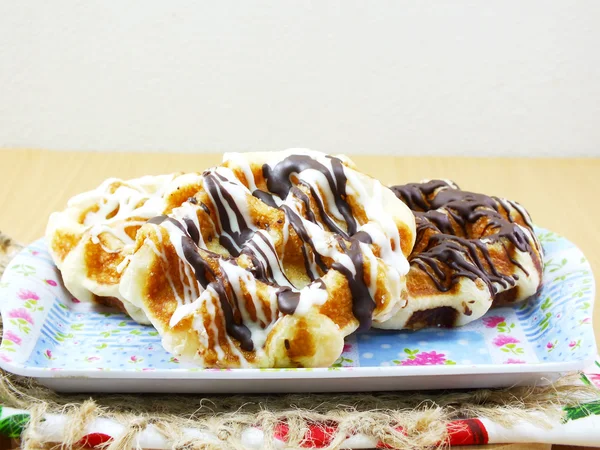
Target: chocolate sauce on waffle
[(207, 278), (362, 302), (231, 239), (238, 236), (446, 216), (279, 182)]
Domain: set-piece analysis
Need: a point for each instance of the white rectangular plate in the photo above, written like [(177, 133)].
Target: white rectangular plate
[(71, 346)]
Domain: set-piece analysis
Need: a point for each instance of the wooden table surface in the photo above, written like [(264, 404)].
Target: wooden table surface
[(560, 194)]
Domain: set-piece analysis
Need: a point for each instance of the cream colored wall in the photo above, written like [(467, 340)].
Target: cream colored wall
[(395, 77)]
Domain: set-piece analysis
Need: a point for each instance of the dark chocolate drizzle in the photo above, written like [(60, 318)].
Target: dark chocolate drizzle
[(448, 214), (265, 197), (261, 267), (204, 274), (230, 239), (362, 302), (240, 238), (279, 182), (287, 299), (160, 219), (278, 179)]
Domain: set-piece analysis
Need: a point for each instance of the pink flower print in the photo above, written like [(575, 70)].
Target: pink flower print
[(431, 358), (148, 369), (48, 354), (514, 361), (92, 358), (558, 316), (74, 300), (12, 337), (347, 348), (503, 339), (549, 345), (135, 359), (51, 282), (492, 322), (5, 358), (572, 344), (20, 313), (586, 320), (426, 359), (35, 252), (410, 362), (25, 294)]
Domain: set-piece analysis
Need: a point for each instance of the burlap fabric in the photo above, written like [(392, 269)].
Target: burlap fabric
[(423, 416)]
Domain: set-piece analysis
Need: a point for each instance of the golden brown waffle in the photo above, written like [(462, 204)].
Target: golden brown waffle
[(268, 260), (91, 238), (472, 252)]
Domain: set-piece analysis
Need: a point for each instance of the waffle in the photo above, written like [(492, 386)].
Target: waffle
[(91, 238), (472, 252), (268, 260)]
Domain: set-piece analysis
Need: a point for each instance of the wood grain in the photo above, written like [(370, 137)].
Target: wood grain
[(560, 194)]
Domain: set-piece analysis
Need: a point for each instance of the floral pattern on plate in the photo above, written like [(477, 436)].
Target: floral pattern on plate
[(46, 328)]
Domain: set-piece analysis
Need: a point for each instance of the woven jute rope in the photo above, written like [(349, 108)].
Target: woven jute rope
[(422, 416)]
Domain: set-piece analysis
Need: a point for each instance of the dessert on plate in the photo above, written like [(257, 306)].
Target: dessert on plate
[(271, 259)]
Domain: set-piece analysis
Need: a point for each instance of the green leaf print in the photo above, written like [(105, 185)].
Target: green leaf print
[(523, 305), (548, 236), (153, 333), (32, 305), (24, 269), (580, 411), (340, 362), (8, 345), (77, 326), (61, 337), (135, 332), (545, 322), (412, 354), (101, 346), (552, 266), (122, 324), (106, 334), (547, 304), (22, 324), (503, 327)]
